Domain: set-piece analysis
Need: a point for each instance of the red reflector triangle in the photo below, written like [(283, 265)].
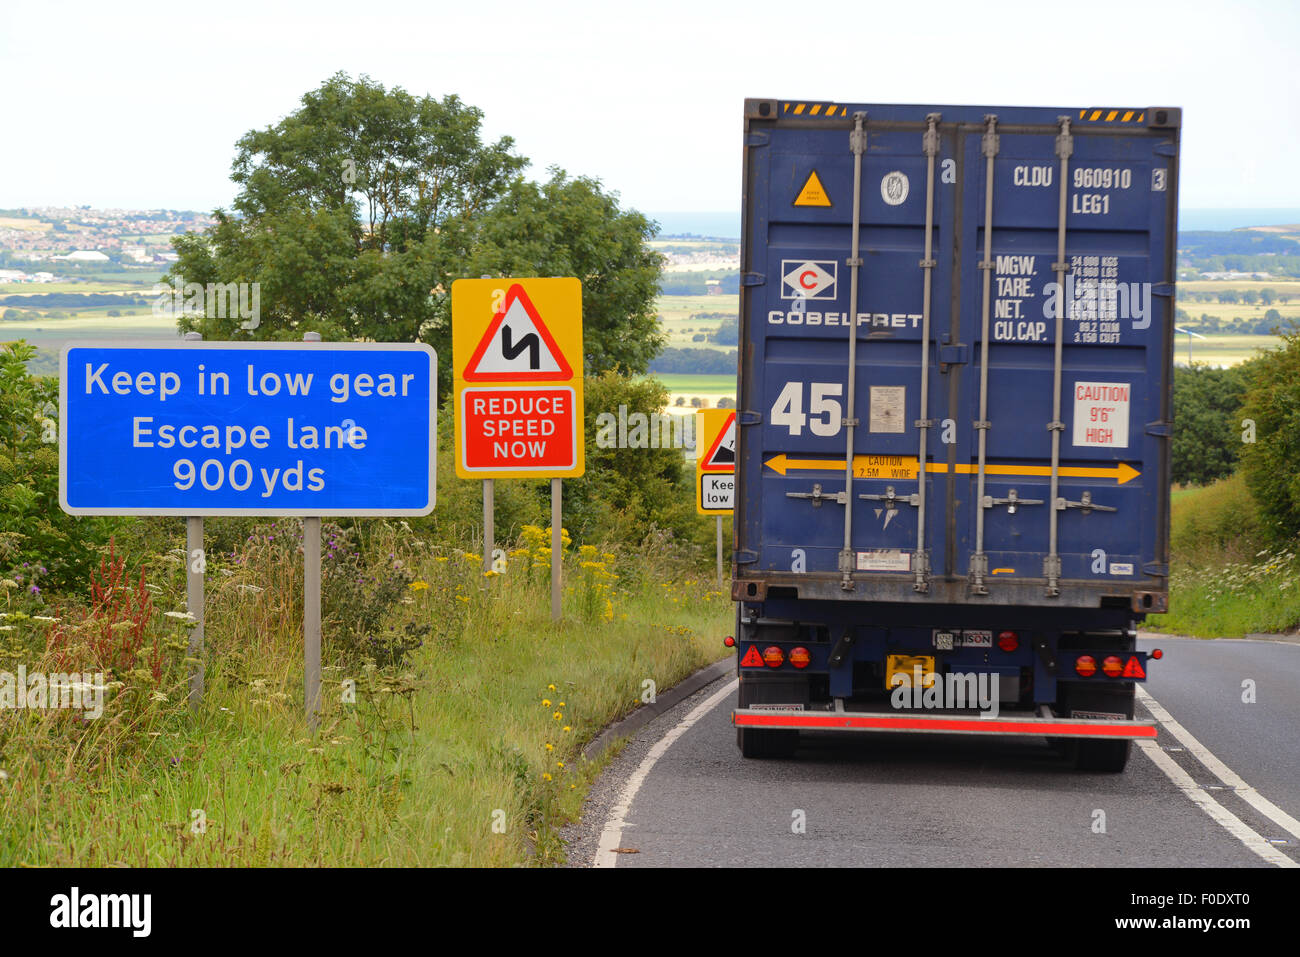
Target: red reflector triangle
[(1134, 668), (752, 658)]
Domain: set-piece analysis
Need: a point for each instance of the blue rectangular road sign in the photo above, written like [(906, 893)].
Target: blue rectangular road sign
[(225, 428)]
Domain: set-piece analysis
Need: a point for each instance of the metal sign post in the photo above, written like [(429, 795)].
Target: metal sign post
[(195, 570), (489, 531), (311, 606), (719, 551), (557, 545)]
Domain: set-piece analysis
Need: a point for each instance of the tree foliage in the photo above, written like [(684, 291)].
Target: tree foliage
[(1207, 427), (1271, 463), (358, 211), (34, 531)]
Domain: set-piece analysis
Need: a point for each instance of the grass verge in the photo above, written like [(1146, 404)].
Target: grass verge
[(1227, 579), (454, 710)]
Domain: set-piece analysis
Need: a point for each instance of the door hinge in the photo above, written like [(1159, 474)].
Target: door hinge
[(1158, 569), (743, 556), (758, 138), (752, 279), (749, 417), (1162, 289), (1159, 428)]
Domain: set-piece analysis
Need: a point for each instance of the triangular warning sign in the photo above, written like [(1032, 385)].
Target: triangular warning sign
[(813, 193), (721, 456), (517, 346), (752, 658), (1134, 668)]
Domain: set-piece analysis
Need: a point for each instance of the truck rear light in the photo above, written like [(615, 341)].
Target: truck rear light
[(1157, 654), (729, 641), (1008, 641), (1112, 666), (1086, 666), (773, 656), (799, 657)]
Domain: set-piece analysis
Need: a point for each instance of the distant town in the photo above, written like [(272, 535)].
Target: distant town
[(42, 244)]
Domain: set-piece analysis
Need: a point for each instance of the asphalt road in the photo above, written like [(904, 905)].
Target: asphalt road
[(897, 800)]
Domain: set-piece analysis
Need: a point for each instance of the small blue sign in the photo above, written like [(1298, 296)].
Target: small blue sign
[(226, 428)]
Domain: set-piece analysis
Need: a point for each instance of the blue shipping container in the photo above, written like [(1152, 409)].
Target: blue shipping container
[(992, 227)]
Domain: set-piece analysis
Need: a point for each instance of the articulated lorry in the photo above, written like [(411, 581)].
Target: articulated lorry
[(953, 423)]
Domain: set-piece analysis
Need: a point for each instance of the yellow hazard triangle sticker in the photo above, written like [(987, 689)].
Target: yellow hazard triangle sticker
[(813, 193)]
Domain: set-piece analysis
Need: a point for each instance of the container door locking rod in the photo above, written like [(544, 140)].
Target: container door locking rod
[(921, 557), (1052, 563), (979, 562), (857, 143)]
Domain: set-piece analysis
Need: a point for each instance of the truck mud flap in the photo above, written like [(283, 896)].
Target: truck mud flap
[(944, 724)]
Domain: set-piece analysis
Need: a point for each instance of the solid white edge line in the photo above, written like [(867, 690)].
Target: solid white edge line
[(1221, 815), (617, 820), (1220, 770)]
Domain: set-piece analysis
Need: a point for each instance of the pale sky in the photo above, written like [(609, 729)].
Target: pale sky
[(139, 104)]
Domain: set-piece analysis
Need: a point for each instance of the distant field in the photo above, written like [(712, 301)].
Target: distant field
[(1222, 350), (1232, 310), (31, 225), (1239, 285), (87, 288), (699, 384)]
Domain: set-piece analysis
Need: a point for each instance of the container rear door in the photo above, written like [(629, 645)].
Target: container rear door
[(1111, 414)]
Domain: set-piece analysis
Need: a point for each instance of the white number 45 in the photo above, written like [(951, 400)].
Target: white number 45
[(826, 411)]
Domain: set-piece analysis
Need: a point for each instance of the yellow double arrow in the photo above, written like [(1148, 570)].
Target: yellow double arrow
[(902, 466)]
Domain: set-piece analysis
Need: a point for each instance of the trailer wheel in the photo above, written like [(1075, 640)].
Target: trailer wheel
[(756, 743), (1109, 757), (1105, 756)]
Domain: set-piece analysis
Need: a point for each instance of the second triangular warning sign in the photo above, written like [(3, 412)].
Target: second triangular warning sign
[(517, 346), (813, 193), (721, 456)]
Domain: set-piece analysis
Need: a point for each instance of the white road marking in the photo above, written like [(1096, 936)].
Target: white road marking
[(613, 832), (1197, 794), (1221, 815), (1220, 770)]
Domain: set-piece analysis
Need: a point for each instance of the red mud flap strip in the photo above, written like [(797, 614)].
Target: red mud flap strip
[(942, 724)]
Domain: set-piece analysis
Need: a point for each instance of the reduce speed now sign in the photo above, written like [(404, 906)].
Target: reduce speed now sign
[(517, 351)]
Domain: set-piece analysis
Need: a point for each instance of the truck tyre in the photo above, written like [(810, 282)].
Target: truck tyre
[(1105, 756), (1108, 757), (757, 743)]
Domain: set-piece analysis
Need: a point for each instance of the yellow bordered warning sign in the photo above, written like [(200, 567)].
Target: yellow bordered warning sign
[(517, 351), (715, 464), (813, 192)]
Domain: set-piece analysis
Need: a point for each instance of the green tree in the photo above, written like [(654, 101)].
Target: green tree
[(569, 227), (358, 211), (33, 528), (1271, 462), (627, 492), (1207, 428)]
